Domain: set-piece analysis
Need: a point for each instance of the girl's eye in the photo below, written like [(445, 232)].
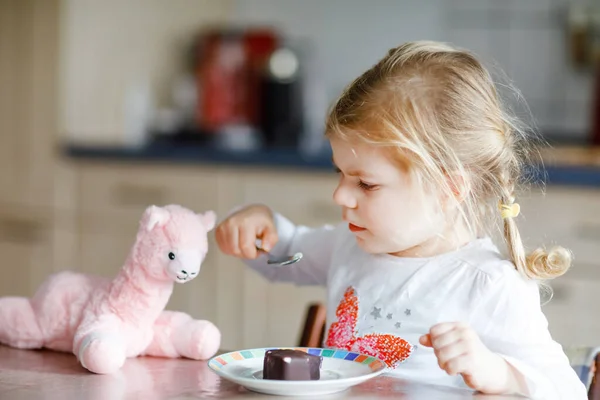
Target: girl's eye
[(361, 184), (366, 186)]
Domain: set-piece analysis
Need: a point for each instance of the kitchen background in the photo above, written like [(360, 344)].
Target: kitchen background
[(109, 106), (121, 51)]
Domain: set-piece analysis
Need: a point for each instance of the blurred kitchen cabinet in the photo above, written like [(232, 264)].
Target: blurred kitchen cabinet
[(26, 248), (572, 312), (125, 190), (65, 245), (273, 312), (28, 100), (104, 254), (28, 72), (565, 216), (234, 310), (569, 217), (65, 236), (113, 198)]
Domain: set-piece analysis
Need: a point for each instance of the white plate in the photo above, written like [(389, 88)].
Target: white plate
[(340, 370)]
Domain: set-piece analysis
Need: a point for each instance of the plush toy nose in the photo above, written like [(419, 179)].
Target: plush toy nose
[(188, 263)]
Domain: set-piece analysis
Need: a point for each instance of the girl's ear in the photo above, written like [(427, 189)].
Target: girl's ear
[(459, 185)]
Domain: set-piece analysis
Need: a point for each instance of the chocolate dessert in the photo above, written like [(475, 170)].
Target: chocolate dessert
[(291, 365)]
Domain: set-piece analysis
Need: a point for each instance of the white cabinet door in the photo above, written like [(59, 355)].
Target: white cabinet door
[(237, 314), (568, 217), (565, 216), (28, 100), (104, 254), (112, 201), (275, 311), (572, 312), (26, 251)]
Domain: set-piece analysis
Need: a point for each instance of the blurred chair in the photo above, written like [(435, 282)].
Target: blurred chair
[(594, 388), (313, 331), (586, 363)]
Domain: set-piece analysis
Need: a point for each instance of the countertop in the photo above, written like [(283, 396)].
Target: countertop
[(35, 374), (571, 165)]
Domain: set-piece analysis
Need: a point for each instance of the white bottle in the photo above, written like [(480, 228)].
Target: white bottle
[(138, 114)]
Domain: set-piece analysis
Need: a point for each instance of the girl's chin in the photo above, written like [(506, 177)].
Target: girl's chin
[(369, 245), (366, 245)]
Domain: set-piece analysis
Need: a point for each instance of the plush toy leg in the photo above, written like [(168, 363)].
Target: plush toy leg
[(176, 334), (18, 324), (101, 352)]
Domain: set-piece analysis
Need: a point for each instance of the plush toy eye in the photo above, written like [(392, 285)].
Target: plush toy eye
[(171, 256)]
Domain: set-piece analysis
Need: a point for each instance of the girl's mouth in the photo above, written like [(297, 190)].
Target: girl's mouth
[(354, 228)]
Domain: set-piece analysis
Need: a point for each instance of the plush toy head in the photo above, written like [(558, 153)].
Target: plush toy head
[(172, 242)]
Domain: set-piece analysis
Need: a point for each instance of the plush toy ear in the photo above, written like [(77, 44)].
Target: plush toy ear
[(156, 216), (209, 219)]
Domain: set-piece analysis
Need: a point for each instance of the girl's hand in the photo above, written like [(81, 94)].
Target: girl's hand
[(237, 234), (460, 351)]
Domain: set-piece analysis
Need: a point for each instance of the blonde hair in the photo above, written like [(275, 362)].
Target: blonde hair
[(437, 109)]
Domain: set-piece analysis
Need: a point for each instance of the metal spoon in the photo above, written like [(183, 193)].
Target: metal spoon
[(285, 260)]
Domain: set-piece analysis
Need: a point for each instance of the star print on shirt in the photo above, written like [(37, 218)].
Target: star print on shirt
[(376, 313), (398, 325), (389, 316), (407, 312)]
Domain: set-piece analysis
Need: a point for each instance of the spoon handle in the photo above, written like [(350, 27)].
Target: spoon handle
[(258, 245)]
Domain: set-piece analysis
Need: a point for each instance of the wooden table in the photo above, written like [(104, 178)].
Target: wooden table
[(28, 375)]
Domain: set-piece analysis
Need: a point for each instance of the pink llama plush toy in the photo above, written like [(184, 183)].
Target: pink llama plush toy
[(104, 321)]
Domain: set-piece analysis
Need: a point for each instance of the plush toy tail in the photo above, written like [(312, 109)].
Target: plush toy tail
[(18, 324)]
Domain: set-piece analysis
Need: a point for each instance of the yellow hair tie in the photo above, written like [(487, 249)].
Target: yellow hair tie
[(509, 210)]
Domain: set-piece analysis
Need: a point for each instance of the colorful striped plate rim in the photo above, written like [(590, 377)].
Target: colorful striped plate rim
[(373, 363)]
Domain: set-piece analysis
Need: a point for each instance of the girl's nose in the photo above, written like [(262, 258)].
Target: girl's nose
[(343, 197)]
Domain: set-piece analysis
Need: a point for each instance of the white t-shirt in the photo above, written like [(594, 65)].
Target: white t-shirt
[(380, 305)]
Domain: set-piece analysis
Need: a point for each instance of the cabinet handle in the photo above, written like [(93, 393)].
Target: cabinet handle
[(138, 195), (21, 231)]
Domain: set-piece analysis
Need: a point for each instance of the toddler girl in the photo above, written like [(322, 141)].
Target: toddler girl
[(427, 161)]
